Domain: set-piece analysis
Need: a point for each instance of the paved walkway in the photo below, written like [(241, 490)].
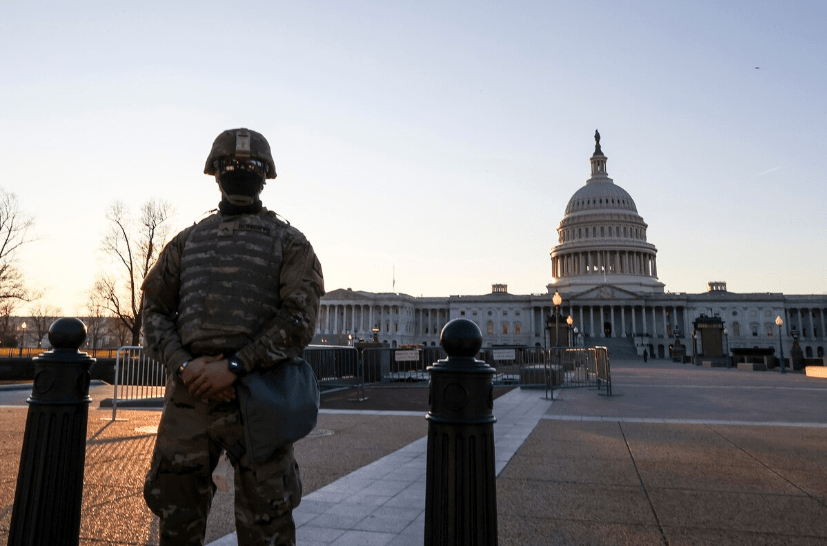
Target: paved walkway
[(383, 503), (679, 455)]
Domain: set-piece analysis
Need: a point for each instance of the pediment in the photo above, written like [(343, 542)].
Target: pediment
[(605, 292), (345, 294)]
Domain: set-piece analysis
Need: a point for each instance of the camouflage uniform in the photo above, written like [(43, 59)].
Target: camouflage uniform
[(247, 285)]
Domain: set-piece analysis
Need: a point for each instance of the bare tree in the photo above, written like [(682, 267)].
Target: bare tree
[(42, 317), (118, 332), (8, 327), (14, 233), (96, 317), (134, 245)]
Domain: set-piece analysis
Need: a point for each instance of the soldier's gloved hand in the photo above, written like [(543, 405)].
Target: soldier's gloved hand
[(211, 378)]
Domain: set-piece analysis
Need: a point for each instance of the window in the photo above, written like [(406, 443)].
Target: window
[(505, 328), (736, 329), (518, 329), (490, 328)]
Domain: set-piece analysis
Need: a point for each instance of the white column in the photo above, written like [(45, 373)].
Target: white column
[(612, 320), (591, 321), (623, 320), (654, 323), (602, 323), (634, 321)]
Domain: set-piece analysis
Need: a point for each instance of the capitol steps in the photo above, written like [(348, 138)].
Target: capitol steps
[(619, 347)]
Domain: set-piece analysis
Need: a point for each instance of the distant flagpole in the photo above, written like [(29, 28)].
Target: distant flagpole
[(394, 278)]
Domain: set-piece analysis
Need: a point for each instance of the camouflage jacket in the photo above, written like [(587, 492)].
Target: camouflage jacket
[(194, 295)]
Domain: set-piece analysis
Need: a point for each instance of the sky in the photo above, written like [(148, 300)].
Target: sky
[(428, 148)]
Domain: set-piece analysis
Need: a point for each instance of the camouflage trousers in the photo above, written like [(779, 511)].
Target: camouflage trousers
[(179, 487)]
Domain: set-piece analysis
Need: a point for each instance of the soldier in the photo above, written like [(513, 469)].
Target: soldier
[(236, 292)]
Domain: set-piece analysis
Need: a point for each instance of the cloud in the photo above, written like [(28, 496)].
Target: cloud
[(768, 171)]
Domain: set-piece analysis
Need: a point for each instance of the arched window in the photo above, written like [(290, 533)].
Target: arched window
[(490, 328), (505, 328), (736, 329)]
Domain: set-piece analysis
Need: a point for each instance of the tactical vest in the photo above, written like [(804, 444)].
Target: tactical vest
[(229, 281)]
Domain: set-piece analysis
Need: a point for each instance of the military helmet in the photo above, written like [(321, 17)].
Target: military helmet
[(240, 144)]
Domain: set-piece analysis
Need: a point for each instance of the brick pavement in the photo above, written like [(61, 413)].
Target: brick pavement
[(679, 455)]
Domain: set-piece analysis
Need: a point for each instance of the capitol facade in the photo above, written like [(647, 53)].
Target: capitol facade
[(605, 270)]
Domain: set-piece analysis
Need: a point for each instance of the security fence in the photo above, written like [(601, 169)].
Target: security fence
[(137, 376), (31, 352), (581, 368)]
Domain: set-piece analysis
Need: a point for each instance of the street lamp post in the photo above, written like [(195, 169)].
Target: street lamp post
[(694, 342), (569, 321), (375, 331), (726, 337), (557, 300), (779, 322), (547, 358), (23, 338)]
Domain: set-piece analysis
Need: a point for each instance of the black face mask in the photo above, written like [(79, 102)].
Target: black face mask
[(239, 192), (241, 183)]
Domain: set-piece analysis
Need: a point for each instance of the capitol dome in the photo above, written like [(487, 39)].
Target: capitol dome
[(597, 196), (602, 238)]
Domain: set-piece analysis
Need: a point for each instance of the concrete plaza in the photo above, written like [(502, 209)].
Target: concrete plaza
[(678, 455)]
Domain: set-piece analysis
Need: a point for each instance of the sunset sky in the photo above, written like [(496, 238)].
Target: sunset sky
[(429, 148)]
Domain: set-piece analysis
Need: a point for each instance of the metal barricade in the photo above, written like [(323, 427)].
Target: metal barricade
[(603, 370), (336, 366), (390, 367), (137, 377), (524, 366), (573, 368)]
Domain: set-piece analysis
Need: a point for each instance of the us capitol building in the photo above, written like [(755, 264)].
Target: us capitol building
[(606, 272)]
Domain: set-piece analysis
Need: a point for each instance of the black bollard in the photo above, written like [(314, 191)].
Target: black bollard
[(50, 475), (460, 487)]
